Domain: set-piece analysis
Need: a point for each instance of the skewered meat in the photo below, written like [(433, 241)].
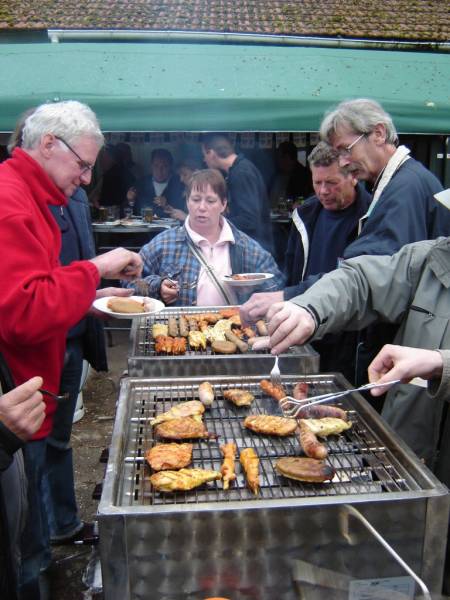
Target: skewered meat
[(327, 426), (173, 326), (125, 305), (300, 391), (183, 409), (179, 346), (309, 442), (206, 393), (231, 337), (225, 347), (182, 429), (304, 469), (163, 344), (159, 329), (183, 326), (250, 463), (227, 468), (276, 391), (270, 424), (183, 480), (261, 328), (226, 313), (197, 340), (169, 456), (239, 397)]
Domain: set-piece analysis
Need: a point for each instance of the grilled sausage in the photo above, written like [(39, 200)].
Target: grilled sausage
[(183, 326), (320, 411), (310, 444), (261, 327), (270, 389), (173, 326), (304, 469), (300, 391), (231, 337), (193, 325)]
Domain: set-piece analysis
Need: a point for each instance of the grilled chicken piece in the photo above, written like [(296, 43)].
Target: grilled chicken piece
[(227, 468), (206, 393), (187, 428), (235, 319), (304, 469), (309, 442), (239, 397), (231, 337), (169, 456), (183, 409), (270, 424), (172, 326), (327, 426), (159, 329), (220, 347), (250, 463), (217, 333), (276, 391), (183, 480), (197, 340), (163, 344), (261, 328), (179, 346)]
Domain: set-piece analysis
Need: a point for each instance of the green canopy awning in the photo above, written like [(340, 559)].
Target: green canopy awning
[(203, 87)]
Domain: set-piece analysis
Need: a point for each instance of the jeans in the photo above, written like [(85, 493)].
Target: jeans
[(58, 484), (35, 543)]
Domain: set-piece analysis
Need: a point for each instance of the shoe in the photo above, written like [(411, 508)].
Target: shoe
[(87, 534)]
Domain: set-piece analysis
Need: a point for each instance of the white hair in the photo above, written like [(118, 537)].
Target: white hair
[(69, 120), (361, 116)]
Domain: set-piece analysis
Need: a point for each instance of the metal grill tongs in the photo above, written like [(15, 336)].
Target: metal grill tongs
[(291, 407)]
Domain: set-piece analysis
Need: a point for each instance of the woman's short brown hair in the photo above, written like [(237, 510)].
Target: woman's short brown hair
[(212, 177)]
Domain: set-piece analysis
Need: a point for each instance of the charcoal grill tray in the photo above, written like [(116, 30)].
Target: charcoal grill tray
[(368, 461), (144, 362)]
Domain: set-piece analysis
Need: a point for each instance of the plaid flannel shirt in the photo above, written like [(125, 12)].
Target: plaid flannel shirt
[(168, 255)]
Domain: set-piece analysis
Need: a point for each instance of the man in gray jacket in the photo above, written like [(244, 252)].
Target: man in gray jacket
[(411, 289)]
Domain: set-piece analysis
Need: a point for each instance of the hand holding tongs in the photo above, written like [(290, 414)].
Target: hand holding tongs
[(291, 407)]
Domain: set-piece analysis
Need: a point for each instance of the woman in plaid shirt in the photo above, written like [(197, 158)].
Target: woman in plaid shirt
[(173, 272)]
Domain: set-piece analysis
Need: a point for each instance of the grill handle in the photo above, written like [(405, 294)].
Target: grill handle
[(355, 513)]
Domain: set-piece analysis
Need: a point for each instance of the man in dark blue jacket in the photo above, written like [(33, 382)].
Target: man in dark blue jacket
[(248, 201), (322, 229)]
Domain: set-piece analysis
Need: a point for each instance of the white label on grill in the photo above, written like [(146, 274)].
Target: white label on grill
[(388, 588)]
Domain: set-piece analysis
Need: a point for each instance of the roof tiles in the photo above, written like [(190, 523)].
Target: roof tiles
[(424, 20)]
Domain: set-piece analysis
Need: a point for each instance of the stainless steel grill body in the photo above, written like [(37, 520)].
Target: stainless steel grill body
[(144, 362), (211, 542)]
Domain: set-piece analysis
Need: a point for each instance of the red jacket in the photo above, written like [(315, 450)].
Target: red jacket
[(39, 299)]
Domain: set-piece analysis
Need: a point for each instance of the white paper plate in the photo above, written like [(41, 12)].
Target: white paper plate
[(101, 304), (107, 223), (262, 277)]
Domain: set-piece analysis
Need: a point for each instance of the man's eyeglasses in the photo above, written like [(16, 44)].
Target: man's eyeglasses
[(84, 166), (348, 149)]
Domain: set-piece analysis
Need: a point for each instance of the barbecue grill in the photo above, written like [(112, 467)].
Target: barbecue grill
[(144, 362), (293, 538)]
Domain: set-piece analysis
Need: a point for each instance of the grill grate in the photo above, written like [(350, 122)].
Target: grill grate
[(145, 344), (362, 464)]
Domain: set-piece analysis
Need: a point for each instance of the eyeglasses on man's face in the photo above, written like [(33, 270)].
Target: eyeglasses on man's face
[(84, 166), (347, 150)]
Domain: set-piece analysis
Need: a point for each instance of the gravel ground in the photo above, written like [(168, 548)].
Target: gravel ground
[(90, 436)]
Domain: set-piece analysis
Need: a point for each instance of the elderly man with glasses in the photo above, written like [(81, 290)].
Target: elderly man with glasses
[(41, 299), (403, 209)]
